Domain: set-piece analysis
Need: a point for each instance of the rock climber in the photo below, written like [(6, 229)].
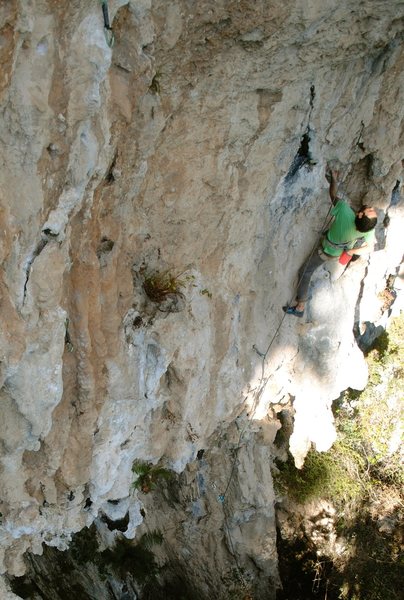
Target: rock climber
[(350, 234)]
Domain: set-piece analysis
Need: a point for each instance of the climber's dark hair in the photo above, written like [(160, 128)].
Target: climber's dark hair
[(365, 223)]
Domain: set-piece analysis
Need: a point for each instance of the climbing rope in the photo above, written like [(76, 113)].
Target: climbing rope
[(264, 380), (347, 171), (261, 386), (109, 34)]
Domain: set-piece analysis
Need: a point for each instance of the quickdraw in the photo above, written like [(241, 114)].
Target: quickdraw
[(109, 34)]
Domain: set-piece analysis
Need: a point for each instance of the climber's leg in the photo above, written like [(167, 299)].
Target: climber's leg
[(305, 274)]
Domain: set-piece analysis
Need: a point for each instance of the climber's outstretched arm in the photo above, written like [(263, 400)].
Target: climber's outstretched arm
[(332, 178)]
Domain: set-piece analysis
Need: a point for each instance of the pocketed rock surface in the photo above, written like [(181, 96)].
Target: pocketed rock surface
[(195, 146)]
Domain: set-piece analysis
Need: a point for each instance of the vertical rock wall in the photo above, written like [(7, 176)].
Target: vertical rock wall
[(196, 146)]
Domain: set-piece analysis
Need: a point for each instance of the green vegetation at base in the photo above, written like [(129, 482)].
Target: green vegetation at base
[(363, 477), (333, 475), (366, 455)]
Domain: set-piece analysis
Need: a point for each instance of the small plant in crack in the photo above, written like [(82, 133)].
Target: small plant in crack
[(148, 476), (206, 292), (161, 285), (155, 86)]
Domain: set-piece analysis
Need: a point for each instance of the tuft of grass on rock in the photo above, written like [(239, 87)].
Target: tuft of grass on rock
[(159, 285)]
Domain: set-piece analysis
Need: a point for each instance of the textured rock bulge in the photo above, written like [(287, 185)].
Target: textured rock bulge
[(195, 146)]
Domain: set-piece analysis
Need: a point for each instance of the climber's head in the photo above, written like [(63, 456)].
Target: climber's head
[(366, 219)]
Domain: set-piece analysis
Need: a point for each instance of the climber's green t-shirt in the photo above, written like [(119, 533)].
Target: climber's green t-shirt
[(343, 230)]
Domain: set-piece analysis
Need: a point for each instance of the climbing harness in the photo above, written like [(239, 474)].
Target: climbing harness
[(341, 246), (344, 245), (109, 34)]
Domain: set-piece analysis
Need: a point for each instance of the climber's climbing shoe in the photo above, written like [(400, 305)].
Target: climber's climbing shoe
[(291, 310)]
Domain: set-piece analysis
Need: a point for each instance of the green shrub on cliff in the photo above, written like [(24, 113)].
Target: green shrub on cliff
[(148, 476), (367, 454)]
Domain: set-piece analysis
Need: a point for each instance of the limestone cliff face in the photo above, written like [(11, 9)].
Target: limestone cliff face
[(196, 146)]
